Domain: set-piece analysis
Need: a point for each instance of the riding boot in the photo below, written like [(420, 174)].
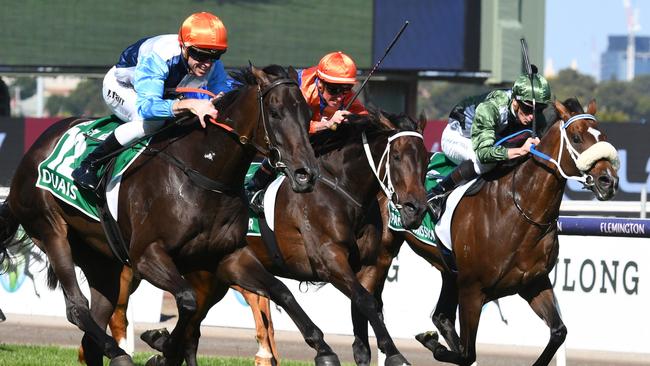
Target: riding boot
[(462, 174), (254, 189), (86, 174)]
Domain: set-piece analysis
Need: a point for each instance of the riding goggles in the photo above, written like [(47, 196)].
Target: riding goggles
[(527, 106), (205, 54), (337, 89)]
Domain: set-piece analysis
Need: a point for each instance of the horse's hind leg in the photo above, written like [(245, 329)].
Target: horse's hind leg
[(244, 269), (266, 353), (78, 312), (541, 298)]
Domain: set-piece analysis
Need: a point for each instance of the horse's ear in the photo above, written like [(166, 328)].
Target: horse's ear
[(422, 121), (562, 110), (591, 108), (293, 73), (385, 120), (260, 76)]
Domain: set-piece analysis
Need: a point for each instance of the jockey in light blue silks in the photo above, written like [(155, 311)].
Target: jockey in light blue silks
[(136, 88)]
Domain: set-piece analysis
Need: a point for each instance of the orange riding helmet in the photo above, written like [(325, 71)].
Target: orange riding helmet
[(337, 68), (203, 30)]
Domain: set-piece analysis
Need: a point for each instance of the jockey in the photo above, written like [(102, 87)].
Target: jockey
[(327, 88), (137, 89), (477, 122)]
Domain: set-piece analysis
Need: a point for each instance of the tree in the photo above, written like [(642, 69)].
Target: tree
[(571, 84)]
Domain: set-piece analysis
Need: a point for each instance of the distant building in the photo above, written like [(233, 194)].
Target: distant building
[(613, 62)]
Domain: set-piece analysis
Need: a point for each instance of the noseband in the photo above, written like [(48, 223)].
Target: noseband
[(586, 179)]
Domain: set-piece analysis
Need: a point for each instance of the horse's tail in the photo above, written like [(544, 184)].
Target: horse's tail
[(8, 239)]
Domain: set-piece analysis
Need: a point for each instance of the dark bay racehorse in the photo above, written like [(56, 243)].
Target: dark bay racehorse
[(172, 225), (505, 239), (316, 232), (499, 260)]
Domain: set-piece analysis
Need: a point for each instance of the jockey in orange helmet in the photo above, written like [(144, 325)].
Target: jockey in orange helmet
[(327, 88), (137, 89)]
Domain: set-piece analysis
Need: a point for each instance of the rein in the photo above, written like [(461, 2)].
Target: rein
[(388, 186), (269, 138), (543, 226)]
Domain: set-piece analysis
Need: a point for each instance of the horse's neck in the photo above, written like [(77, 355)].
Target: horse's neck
[(538, 190), (351, 168)]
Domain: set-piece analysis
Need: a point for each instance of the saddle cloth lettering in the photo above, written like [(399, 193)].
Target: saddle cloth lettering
[(55, 172)]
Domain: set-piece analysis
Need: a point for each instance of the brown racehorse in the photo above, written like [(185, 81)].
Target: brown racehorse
[(499, 261), (505, 239), (317, 232), (171, 223)]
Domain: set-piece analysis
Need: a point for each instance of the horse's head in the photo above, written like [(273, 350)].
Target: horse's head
[(285, 122), (407, 160), (583, 151)]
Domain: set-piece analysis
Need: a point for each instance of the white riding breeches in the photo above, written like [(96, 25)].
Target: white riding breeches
[(458, 148), (121, 99)]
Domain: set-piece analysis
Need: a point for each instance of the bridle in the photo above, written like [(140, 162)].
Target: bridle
[(387, 187), (271, 150), (586, 179)]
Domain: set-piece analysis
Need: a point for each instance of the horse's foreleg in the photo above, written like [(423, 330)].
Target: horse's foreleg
[(244, 269), (541, 298), (470, 302), (102, 275), (444, 317), (156, 266), (266, 352)]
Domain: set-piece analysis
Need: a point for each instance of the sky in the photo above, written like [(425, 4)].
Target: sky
[(577, 31)]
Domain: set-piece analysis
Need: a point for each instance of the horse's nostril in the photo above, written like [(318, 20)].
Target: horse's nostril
[(302, 176), (409, 207), (604, 181)]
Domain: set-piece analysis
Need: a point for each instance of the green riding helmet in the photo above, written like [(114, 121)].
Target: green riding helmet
[(522, 91)]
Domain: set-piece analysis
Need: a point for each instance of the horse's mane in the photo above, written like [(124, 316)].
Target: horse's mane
[(350, 131), (244, 78)]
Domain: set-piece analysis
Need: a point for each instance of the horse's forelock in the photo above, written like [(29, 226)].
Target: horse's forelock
[(573, 105)]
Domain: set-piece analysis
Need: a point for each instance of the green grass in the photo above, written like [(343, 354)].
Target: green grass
[(21, 355)]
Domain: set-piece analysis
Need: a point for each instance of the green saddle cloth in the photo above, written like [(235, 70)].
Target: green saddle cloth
[(439, 166), (55, 172), (253, 219)]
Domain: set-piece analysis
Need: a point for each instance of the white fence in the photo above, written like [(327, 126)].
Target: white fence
[(592, 279)]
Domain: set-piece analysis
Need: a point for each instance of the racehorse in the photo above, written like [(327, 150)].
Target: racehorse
[(490, 260), (172, 223), (504, 238), (316, 232)]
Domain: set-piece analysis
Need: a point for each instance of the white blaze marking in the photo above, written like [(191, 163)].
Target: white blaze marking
[(594, 132)]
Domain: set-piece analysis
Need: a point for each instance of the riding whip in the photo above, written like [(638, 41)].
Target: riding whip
[(374, 68), (406, 23), (529, 71)]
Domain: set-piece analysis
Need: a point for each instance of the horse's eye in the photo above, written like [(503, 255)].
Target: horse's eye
[(274, 113), (576, 139), (397, 157)]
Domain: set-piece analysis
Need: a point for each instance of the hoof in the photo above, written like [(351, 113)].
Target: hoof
[(327, 360), (155, 338), (155, 360), (396, 360), (261, 361), (428, 339), (123, 360)]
